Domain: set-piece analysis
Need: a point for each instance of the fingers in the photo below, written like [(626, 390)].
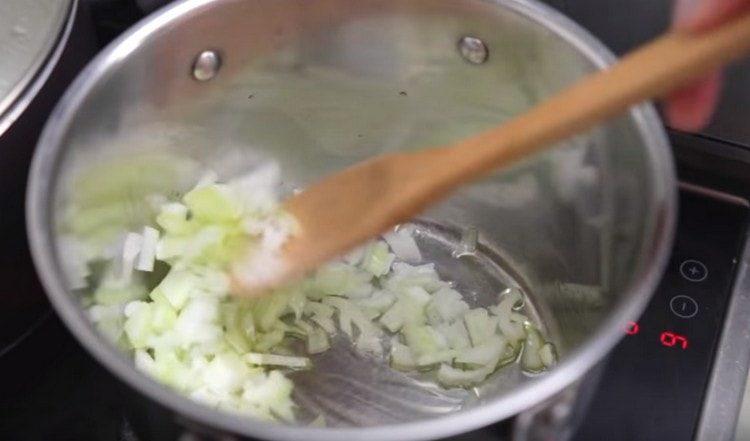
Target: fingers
[(698, 15), (690, 108)]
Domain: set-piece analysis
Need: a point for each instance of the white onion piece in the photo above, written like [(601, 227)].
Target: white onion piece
[(148, 250), (548, 355), (191, 335), (403, 245), (131, 247)]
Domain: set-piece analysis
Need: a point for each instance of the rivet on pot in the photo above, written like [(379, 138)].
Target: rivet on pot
[(473, 50), (206, 65)]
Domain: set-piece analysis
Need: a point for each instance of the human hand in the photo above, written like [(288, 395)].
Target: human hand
[(690, 108)]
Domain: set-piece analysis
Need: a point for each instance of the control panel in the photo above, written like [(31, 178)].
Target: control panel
[(653, 385)]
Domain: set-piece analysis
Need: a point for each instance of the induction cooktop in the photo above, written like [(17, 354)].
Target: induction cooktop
[(678, 374)]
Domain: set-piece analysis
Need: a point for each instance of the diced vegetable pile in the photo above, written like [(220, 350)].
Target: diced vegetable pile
[(164, 296)]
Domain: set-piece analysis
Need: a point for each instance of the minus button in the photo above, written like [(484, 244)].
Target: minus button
[(683, 306)]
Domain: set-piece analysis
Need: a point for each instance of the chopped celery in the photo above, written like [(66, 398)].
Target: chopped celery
[(213, 203), (190, 334), (530, 358), (377, 259), (174, 219), (548, 355), (277, 360)]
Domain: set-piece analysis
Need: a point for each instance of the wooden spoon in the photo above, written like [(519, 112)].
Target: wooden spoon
[(347, 208)]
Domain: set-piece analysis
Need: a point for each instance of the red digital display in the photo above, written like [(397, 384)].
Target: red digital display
[(670, 339), (667, 338), (632, 328)]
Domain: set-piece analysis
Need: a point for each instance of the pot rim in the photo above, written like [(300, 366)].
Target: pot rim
[(655, 252), (26, 89)]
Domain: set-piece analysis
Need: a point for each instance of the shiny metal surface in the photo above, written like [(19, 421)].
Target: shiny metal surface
[(206, 65), (719, 419), (29, 32), (473, 50), (319, 85)]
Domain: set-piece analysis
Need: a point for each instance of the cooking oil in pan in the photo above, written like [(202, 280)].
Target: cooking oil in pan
[(354, 389)]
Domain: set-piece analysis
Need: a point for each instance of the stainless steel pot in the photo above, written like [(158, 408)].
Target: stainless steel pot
[(317, 85)]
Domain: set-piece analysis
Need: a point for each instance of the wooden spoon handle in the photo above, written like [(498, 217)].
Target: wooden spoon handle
[(650, 72)]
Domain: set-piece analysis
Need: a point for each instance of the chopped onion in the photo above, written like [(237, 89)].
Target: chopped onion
[(456, 334), (355, 256), (513, 331), (130, 249), (354, 315), (370, 344), (317, 341), (401, 357), (548, 355), (452, 377), (435, 358), (324, 322), (377, 259), (148, 249), (486, 354), (481, 326), (319, 309), (423, 340), (403, 245), (277, 360), (379, 301), (190, 334), (446, 305), (531, 359)]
